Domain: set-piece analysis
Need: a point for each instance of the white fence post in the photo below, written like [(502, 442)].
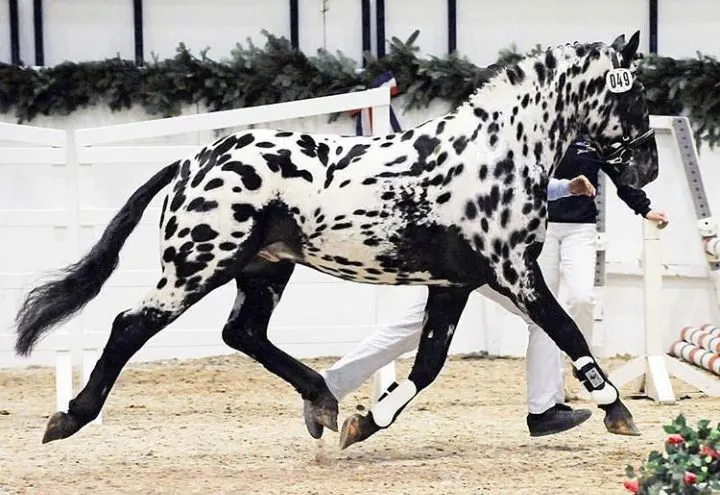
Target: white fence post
[(386, 375)]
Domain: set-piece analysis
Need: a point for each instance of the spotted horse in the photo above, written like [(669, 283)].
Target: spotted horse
[(454, 203)]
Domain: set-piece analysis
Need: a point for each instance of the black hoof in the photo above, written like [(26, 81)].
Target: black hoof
[(60, 425), (325, 411), (356, 429), (619, 421), (313, 427)]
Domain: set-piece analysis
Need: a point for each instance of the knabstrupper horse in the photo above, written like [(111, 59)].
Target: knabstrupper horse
[(454, 203)]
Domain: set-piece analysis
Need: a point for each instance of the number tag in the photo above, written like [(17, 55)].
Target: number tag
[(619, 80)]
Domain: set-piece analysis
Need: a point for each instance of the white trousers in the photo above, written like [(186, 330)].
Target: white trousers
[(544, 358)]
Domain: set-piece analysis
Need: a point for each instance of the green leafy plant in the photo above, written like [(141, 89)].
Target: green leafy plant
[(276, 72), (689, 465)]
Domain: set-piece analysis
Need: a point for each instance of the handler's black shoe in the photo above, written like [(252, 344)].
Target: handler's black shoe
[(313, 427), (558, 418)]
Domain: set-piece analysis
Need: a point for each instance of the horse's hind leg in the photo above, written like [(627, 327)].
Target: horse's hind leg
[(259, 291), (131, 329)]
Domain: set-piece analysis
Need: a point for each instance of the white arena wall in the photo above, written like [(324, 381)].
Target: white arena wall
[(80, 30), (320, 315)]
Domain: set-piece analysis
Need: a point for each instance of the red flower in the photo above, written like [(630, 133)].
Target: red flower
[(690, 478), (708, 451), (632, 485), (675, 439)]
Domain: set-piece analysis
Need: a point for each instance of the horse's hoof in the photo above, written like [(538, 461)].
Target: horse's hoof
[(325, 412), (619, 421), (60, 425), (357, 428)]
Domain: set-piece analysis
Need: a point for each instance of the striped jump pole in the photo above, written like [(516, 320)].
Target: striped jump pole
[(696, 355)]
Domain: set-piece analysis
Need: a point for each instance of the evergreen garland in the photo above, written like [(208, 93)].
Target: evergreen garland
[(278, 73)]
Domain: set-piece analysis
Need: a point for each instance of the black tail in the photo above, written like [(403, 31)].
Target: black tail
[(57, 300)]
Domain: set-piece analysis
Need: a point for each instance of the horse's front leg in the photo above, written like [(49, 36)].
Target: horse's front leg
[(442, 313), (531, 295)]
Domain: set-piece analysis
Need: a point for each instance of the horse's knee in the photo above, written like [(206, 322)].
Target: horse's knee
[(239, 338)]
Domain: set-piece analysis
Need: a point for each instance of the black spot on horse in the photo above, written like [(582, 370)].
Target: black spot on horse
[(265, 144), (483, 172), (407, 135), (387, 195), (540, 71), (213, 184), (503, 168), (162, 283), (493, 139), (200, 204), (525, 101), (396, 161), (227, 246), (171, 227), (323, 153), (250, 179), (537, 151), (244, 141), (481, 114), (550, 60), (488, 203), (519, 132), (504, 217), (282, 163), (169, 254), (470, 210), (203, 233), (440, 127), (460, 144), (284, 134), (443, 198), (341, 226), (307, 145), (179, 187), (243, 212), (369, 180), (184, 232), (425, 145), (509, 273), (205, 247)]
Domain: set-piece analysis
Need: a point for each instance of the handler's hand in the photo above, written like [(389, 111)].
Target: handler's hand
[(581, 185), (658, 217)]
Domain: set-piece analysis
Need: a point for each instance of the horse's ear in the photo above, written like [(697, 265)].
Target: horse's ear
[(628, 51), (618, 43)]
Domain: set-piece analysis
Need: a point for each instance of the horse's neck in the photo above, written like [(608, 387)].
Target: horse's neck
[(526, 116)]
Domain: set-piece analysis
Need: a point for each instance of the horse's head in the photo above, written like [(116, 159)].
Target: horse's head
[(619, 125)]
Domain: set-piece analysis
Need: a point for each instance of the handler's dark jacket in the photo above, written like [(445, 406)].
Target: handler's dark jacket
[(578, 160)]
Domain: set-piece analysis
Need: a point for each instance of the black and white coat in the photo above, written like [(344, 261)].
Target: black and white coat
[(454, 203)]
